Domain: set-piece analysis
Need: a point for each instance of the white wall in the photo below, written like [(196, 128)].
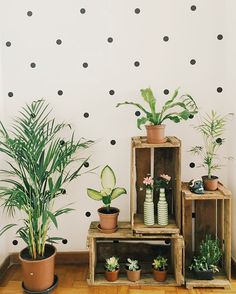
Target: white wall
[(136, 37)]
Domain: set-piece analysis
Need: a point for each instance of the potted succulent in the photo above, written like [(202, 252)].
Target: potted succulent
[(206, 263), (39, 168), (108, 215), (160, 266), (175, 109), (133, 270), (211, 127), (112, 269)]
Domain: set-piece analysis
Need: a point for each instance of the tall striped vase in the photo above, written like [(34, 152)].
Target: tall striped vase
[(162, 209), (148, 209)]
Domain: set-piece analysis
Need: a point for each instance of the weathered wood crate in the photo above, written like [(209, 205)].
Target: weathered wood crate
[(124, 244), (208, 213), (155, 159)]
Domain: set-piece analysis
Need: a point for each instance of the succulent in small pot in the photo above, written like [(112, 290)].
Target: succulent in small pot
[(108, 215), (112, 268), (133, 270), (160, 266), (175, 109), (211, 127)]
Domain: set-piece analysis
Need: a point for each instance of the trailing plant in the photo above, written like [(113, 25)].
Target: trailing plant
[(160, 263), (175, 109), (108, 192), (112, 264), (132, 264), (211, 127), (39, 168)]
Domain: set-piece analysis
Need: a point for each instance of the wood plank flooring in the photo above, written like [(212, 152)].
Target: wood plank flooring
[(72, 280)]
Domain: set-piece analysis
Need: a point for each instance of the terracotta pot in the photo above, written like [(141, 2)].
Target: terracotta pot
[(108, 220), (159, 276), (155, 134), (112, 276), (210, 184), (133, 276), (38, 275)]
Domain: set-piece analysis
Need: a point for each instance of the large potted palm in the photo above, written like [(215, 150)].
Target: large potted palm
[(39, 168)]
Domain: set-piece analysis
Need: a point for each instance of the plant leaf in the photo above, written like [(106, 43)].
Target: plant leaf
[(108, 178), (95, 195), (117, 192)]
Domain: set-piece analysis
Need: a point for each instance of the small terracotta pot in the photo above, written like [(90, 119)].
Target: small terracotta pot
[(38, 275), (108, 221), (155, 134), (112, 276), (210, 184), (133, 276), (159, 276)]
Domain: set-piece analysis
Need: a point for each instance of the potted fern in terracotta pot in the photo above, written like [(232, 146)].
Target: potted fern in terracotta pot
[(133, 270), (160, 266), (39, 168), (176, 108), (108, 215), (212, 128), (112, 269)]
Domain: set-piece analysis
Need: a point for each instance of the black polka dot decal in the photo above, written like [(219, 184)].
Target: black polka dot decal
[(86, 164), (64, 241), (113, 142), (110, 40), (82, 11), (29, 13), (166, 91), (85, 65), (63, 191), (10, 94), (137, 10), (59, 41), (15, 242), (192, 61), (86, 114), (60, 92), (219, 89), (136, 63), (165, 38), (220, 37), (193, 7), (62, 142), (88, 213), (111, 92), (219, 141), (137, 113), (191, 116), (33, 64), (8, 44), (192, 164)]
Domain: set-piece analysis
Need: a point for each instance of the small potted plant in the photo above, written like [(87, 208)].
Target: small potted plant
[(211, 127), (160, 266), (175, 109), (206, 263), (108, 215), (133, 270), (112, 269)]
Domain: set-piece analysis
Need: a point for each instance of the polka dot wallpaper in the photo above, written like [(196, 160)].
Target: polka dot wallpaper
[(84, 57)]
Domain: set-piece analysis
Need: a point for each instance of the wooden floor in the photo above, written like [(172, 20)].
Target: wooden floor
[(72, 279)]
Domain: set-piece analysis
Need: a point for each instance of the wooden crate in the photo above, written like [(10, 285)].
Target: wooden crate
[(124, 244), (158, 159), (202, 214)]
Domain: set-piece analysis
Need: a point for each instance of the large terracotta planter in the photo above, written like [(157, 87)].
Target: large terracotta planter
[(112, 276), (159, 276), (108, 220), (210, 184), (38, 275), (155, 134), (133, 276)]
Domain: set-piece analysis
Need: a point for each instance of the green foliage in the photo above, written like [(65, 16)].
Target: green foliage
[(160, 263), (211, 128), (132, 264), (182, 108), (39, 168), (108, 192), (210, 254), (112, 264)]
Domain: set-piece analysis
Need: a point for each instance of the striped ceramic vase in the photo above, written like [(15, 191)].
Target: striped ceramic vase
[(148, 209), (162, 209)]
